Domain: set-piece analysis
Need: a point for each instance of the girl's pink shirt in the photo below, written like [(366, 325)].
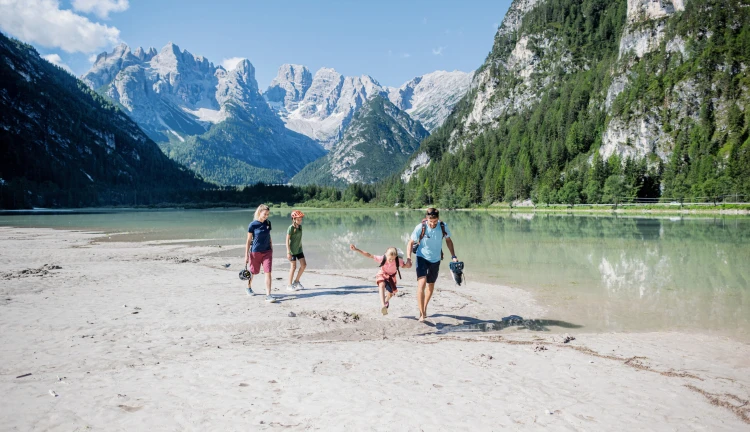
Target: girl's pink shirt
[(389, 268)]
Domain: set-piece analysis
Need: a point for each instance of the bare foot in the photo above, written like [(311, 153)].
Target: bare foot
[(421, 318)]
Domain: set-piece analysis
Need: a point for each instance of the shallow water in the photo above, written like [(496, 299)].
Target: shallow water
[(600, 272)]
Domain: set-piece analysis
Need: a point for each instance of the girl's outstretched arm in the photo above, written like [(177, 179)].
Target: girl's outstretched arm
[(367, 254)]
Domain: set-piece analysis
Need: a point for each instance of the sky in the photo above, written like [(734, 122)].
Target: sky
[(392, 41)]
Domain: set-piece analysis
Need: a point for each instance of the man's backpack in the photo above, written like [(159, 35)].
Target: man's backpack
[(382, 263), (421, 236)]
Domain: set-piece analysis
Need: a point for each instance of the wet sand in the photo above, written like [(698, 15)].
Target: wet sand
[(160, 335)]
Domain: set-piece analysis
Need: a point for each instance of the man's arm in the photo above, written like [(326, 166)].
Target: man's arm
[(408, 250), (449, 242)]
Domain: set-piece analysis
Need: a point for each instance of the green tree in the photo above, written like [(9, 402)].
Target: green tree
[(570, 193), (614, 189), (448, 197)]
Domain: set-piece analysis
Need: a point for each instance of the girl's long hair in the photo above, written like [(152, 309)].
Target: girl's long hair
[(260, 209)]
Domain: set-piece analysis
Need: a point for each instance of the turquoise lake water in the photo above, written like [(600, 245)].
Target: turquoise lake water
[(603, 272)]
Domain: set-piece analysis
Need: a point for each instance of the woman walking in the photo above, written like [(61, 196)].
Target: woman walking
[(259, 249)]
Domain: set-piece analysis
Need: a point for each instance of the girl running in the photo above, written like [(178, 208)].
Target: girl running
[(390, 265)]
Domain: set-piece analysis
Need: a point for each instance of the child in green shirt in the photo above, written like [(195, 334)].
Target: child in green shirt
[(294, 251)]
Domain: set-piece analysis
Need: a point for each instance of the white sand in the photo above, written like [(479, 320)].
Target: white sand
[(201, 355)]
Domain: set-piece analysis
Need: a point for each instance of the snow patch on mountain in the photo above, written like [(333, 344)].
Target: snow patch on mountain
[(170, 90), (321, 105), (430, 98)]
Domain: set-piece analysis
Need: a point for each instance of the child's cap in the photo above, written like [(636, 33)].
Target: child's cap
[(297, 214)]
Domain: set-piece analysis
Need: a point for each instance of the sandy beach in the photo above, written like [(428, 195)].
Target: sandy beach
[(98, 335)]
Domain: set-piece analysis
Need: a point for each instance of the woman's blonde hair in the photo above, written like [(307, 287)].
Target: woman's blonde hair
[(391, 252), (261, 208)]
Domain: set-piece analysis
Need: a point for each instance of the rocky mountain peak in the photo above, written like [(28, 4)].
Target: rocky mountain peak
[(289, 86), (430, 98), (377, 141)]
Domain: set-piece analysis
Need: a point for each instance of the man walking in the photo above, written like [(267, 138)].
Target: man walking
[(427, 242)]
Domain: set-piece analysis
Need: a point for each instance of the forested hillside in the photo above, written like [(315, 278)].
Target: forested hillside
[(61, 144), (598, 101)]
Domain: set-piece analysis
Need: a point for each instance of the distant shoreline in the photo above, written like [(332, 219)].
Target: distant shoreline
[(723, 210)]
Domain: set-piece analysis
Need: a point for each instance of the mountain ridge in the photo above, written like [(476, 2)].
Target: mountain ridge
[(378, 140), (207, 118), (64, 145)]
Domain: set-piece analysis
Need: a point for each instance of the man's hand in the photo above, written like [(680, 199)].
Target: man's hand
[(455, 258)]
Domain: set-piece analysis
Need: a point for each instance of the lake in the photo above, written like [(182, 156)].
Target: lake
[(606, 273)]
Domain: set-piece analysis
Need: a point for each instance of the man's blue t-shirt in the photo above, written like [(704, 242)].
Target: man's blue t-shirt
[(261, 232), (432, 242)]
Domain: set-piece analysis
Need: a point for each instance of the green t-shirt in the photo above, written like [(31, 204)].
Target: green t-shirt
[(295, 239)]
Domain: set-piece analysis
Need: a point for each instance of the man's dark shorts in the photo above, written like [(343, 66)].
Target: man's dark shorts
[(427, 269), (299, 256)]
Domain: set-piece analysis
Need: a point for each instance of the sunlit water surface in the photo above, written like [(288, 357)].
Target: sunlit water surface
[(601, 272)]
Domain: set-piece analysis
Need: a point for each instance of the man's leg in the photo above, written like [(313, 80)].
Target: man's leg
[(432, 273), (302, 266), (427, 297), (421, 282)]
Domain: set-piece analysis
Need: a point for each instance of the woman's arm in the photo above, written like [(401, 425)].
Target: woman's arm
[(367, 254), (247, 247)]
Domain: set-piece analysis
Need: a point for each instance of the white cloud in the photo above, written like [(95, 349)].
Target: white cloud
[(405, 55), (92, 58), (438, 50), (57, 61), (231, 63), (101, 8), (43, 22)]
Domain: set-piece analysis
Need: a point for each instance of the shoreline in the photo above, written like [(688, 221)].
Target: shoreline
[(584, 209), (162, 335)]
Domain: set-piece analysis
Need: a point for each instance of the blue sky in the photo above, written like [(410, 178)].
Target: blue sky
[(393, 41)]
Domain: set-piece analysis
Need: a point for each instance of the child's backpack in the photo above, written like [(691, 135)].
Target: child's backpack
[(382, 263), (415, 246)]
